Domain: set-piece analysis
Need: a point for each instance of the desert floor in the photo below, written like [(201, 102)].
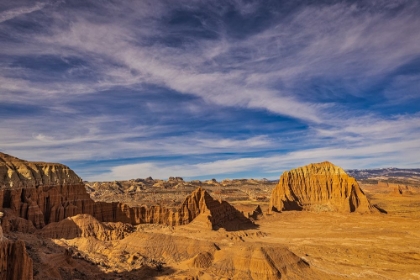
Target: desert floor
[(308, 245)]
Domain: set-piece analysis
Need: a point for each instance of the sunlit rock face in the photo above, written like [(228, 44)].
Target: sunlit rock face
[(18, 173), (40, 192), (319, 187)]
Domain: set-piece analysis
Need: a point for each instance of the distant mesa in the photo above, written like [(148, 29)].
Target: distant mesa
[(398, 189), (319, 187)]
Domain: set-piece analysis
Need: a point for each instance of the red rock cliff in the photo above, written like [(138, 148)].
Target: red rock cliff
[(220, 214), (15, 263), (318, 187), (43, 193)]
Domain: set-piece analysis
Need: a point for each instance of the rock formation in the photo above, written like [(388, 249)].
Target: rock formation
[(15, 263), (45, 193), (41, 192), (399, 190), (199, 202), (319, 187), (266, 261), (17, 173), (239, 261), (84, 225)]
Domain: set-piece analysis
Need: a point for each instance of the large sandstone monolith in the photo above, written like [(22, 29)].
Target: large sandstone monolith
[(319, 187)]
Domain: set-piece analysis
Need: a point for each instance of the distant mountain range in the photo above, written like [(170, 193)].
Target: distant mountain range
[(391, 174)]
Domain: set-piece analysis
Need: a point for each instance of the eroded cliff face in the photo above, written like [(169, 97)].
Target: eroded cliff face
[(44, 193), (40, 192), (17, 173), (217, 214), (46, 204), (319, 187), (220, 214), (15, 263)]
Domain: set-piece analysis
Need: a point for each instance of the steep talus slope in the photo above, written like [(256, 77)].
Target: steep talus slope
[(15, 263), (319, 187)]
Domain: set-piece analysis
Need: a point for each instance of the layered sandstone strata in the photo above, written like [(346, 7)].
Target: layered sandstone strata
[(41, 192), (217, 214), (45, 193), (17, 173), (15, 263), (319, 187), (85, 225)]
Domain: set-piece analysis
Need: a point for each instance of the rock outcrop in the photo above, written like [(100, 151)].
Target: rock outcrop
[(17, 173), (319, 187), (399, 190), (84, 225), (15, 263), (41, 192), (266, 261), (218, 214)]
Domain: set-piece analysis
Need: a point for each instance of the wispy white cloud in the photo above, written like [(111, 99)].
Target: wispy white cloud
[(359, 44), (16, 12), (381, 155), (300, 65)]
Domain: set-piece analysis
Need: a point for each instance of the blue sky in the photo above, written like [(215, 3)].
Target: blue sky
[(210, 89)]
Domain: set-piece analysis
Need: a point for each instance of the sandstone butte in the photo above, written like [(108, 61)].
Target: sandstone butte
[(319, 187)]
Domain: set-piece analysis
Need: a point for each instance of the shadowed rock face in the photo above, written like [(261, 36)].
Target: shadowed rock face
[(15, 263), (319, 187)]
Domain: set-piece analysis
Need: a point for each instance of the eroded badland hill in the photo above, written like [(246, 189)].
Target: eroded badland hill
[(316, 223)]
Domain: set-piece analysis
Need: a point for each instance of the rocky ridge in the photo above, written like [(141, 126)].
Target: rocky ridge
[(45, 193), (319, 187), (173, 191), (17, 173), (84, 225)]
